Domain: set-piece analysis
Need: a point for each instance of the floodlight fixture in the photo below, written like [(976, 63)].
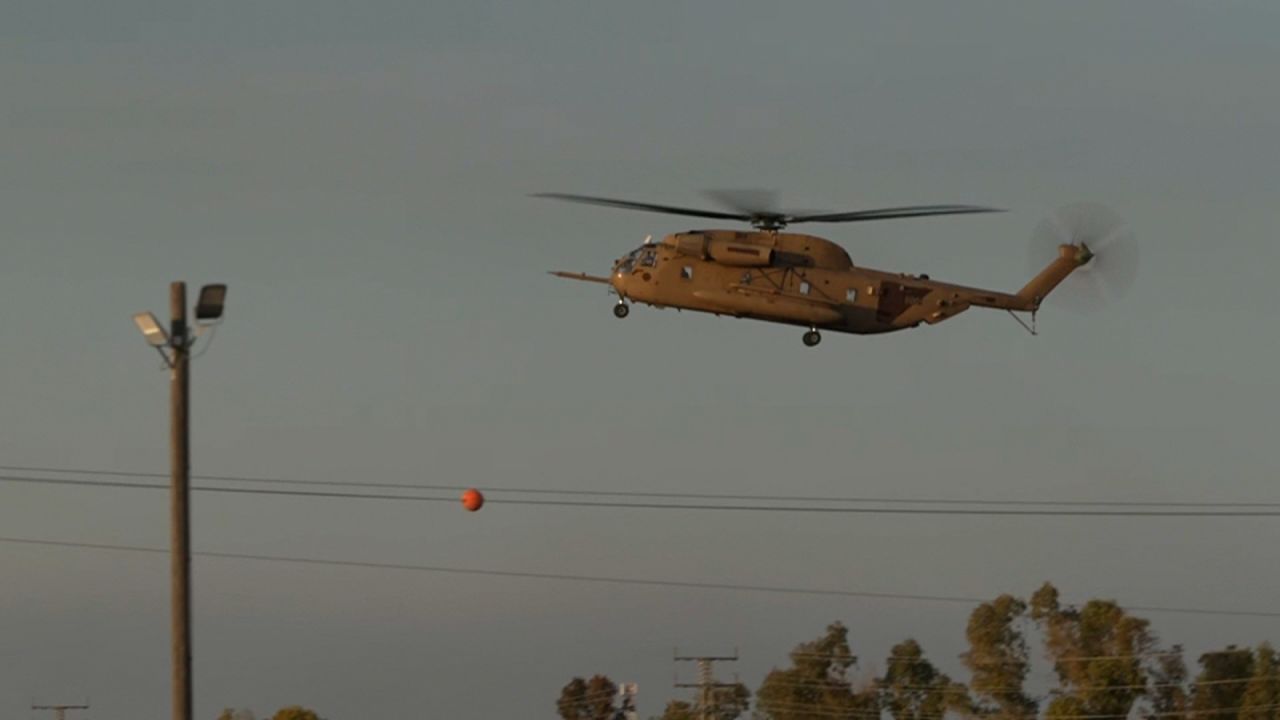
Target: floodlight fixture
[(151, 329), (209, 305)]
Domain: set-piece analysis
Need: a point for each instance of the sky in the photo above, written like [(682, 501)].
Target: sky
[(358, 175)]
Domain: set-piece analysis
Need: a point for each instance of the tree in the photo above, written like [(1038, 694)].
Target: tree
[(913, 689), (729, 703), (1220, 686), (588, 699), (997, 660), (1262, 693), (1169, 698), (1097, 652), (678, 710), (816, 686), (295, 712)]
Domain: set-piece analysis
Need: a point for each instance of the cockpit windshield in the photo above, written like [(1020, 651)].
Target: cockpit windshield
[(645, 255)]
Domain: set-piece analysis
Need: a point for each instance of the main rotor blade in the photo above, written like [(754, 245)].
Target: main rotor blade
[(890, 213), (748, 201), (628, 205)]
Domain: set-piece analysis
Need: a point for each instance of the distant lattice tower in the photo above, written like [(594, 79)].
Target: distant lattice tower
[(707, 704), (60, 711)]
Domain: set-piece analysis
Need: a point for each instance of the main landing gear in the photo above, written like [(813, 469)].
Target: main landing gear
[(621, 310), (812, 338)]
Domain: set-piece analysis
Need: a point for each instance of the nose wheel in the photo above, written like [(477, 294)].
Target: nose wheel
[(621, 310), (812, 338)]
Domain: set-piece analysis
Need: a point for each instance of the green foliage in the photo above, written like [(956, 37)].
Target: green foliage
[(1169, 698), (295, 712), (729, 702), (1065, 706), (1262, 693), (1221, 684), (678, 710), (588, 699), (1097, 653), (570, 704), (997, 660), (1107, 663), (817, 683), (913, 689)]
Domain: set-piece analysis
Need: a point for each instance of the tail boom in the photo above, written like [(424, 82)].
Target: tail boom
[(1069, 258)]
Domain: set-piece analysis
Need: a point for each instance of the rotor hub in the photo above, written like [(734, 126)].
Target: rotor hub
[(1084, 254), (768, 221)]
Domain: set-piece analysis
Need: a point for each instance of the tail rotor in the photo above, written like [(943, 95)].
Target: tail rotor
[(1108, 247)]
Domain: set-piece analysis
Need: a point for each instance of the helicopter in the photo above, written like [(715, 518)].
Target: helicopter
[(808, 281)]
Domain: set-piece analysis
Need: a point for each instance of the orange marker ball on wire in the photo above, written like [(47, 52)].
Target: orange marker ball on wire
[(472, 500)]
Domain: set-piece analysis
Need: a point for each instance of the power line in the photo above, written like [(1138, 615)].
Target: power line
[(875, 713), (671, 506), (236, 491), (1079, 658), (601, 579), (646, 494), (1010, 690)]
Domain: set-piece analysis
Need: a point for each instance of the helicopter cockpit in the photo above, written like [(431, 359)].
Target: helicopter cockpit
[(644, 256)]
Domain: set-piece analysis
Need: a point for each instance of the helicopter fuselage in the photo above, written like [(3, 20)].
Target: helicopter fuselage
[(794, 279)]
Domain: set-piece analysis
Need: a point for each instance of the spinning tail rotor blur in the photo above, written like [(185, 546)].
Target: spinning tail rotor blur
[(1108, 241)]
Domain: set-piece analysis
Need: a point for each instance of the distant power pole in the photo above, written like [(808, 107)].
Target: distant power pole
[(707, 704), (59, 711)]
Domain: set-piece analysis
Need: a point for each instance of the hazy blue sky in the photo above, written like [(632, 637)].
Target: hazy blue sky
[(357, 173)]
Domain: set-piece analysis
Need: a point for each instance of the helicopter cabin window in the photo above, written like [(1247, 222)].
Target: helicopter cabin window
[(804, 287), (851, 295), (686, 272), (648, 258)]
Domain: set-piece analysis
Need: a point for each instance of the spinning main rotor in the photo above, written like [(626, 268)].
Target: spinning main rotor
[(757, 207)]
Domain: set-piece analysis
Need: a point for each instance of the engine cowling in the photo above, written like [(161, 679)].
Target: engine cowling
[(739, 254), (692, 245), (723, 251)]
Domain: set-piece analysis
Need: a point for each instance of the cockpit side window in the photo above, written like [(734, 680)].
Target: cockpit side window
[(648, 258)]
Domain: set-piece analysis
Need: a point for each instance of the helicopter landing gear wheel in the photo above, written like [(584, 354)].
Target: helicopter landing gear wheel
[(812, 338), (621, 310)]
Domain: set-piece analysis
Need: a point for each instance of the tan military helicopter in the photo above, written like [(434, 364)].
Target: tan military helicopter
[(803, 280)]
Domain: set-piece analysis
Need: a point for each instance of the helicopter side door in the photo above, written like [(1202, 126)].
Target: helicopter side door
[(892, 301)]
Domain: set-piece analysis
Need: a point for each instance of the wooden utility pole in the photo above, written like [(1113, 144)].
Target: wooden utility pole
[(180, 500), (59, 711)]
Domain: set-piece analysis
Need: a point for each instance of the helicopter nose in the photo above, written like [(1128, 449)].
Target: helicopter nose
[(619, 281)]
